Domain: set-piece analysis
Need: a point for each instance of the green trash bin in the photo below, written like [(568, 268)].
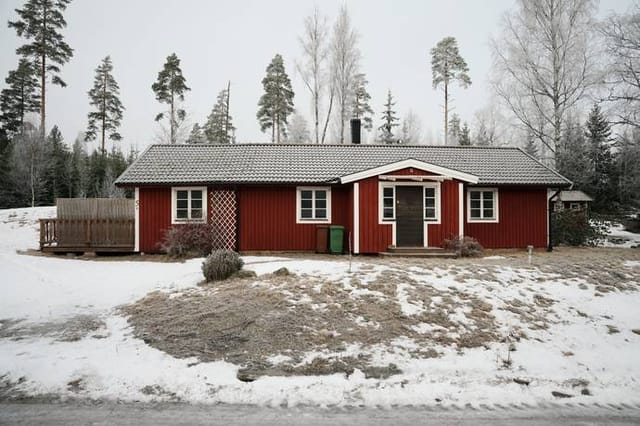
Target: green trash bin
[(336, 237)]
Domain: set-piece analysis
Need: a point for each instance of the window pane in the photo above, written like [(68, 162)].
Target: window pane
[(488, 195), (182, 195), (181, 213), (387, 192), (487, 213), (430, 213), (475, 213), (196, 204), (181, 204), (430, 202), (387, 213), (429, 192), (197, 195), (321, 213), (321, 204), (321, 195), (475, 204), (306, 213), (306, 195), (196, 214), (387, 203), (306, 204), (475, 195)]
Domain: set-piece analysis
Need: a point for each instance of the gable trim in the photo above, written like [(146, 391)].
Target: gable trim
[(416, 164)]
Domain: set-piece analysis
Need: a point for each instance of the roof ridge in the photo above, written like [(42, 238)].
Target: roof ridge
[(465, 147)]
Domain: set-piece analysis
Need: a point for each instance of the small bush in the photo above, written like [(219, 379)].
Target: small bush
[(188, 240), (573, 228), (464, 247), (221, 264)]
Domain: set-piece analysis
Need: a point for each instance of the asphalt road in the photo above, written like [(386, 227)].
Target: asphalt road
[(177, 414)]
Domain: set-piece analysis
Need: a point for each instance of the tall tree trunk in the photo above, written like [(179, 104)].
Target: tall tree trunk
[(43, 75), (326, 122), (171, 121), (273, 128), (104, 111), (316, 106), (446, 113)]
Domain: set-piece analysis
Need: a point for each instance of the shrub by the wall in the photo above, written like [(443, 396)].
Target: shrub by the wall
[(573, 228), (221, 264), (464, 247), (188, 240)]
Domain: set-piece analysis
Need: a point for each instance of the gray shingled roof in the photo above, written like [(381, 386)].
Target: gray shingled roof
[(573, 196), (267, 163)]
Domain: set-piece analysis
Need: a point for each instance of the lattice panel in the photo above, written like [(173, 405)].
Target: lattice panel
[(223, 217)]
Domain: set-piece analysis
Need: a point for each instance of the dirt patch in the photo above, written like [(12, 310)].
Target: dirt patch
[(68, 330)]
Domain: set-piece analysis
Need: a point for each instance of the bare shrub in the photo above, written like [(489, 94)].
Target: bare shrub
[(221, 264), (188, 240), (464, 247)]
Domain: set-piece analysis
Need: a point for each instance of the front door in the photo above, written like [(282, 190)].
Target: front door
[(409, 216)]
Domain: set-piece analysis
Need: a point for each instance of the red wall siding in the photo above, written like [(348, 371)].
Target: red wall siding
[(449, 215), (155, 217), (267, 218), (522, 220), (374, 237)]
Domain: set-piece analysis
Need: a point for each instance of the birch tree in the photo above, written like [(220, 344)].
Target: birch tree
[(544, 64), (314, 68), (40, 22), (345, 61), (448, 67)]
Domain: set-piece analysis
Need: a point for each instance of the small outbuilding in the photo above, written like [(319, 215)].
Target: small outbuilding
[(265, 197), (573, 200)]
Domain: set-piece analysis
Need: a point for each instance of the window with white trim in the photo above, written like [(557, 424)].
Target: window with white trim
[(314, 204), (388, 203), (189, 205), (482, 205), (430, 203)]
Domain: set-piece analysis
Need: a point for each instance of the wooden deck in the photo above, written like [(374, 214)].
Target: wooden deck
[(81, 235)]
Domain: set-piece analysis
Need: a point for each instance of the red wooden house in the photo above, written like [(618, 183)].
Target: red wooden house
[(263, 197)]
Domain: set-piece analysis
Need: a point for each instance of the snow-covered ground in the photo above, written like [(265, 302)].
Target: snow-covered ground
[(617, 236), (587, 342)]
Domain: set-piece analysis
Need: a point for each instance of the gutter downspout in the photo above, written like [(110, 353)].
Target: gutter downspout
[(550, 213)]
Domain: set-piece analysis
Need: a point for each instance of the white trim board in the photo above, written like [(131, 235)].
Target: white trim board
[(300, 220), (410, 163), (356, 218), (205, 204), (136, 238)]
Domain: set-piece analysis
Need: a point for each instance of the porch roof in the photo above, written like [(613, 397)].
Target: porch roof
[(318, 164)]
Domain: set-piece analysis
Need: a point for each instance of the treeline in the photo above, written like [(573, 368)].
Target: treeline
[(35, 173)]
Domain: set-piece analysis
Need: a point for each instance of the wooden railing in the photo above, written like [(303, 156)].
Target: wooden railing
[(87, 234)]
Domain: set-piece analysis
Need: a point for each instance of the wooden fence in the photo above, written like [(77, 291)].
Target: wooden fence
[(96, 224)]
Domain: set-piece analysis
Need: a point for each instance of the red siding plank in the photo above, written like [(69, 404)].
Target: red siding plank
[(155, 217)]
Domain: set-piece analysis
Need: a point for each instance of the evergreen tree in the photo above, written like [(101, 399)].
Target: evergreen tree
[(465, 135), (40, 22), (530, 146), (603, 179), (96, 174), (447, 66), (57, 179), (572, 156), (78, 168), (169, 89), (8, 195), (276, 104), (196, 136), (19, 97), (389, 121), (219, 127), (628, 167), (360, 107), (105, 98), (455, 130)]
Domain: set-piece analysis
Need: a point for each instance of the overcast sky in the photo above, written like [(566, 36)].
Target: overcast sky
[(218, 41)]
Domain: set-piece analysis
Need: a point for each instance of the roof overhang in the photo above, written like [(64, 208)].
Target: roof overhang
[(410, 163)]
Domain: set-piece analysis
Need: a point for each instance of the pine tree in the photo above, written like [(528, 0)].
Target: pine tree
[(196, 136), (360, 107), (389, 121), (276, 104), (447, 66), (169, 89), (454, 130), (105, 98), (19, 97), (219, 127), (78, 168), (603, 179), (40, 21), (57, 178), (465, 135), (8, 194)]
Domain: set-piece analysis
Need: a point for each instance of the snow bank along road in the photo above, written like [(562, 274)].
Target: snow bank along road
[(563, 334)]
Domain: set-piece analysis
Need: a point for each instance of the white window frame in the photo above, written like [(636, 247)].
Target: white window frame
[(496, 206), (174, 197), (299, 218), (435, 185)]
